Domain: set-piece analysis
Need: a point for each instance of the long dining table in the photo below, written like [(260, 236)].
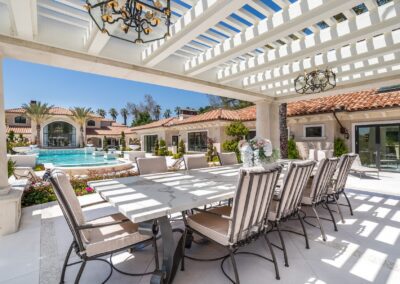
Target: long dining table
[(151, 197)]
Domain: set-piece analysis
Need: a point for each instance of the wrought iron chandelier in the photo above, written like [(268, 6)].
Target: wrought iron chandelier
[(315, 82), (139, 21)]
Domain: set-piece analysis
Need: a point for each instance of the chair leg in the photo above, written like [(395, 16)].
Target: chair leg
[(157, 262), (319, 223), (348, 202), (232, 255), (338, 208), (183, 250), (273, 257), (66, 262), (332, 217), (78, 277), (283, 245), (304, 230)]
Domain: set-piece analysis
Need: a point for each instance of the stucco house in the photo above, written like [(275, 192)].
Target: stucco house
[(61, 131), (368, 121)]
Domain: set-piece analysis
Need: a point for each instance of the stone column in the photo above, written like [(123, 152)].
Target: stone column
[(283, 130), (4, 186), (267, 121)]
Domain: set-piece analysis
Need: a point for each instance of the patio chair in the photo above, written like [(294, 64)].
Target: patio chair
[(339, 180), (196, 161), (99, 237), (227, 159), (152, 165), (288, 203), (236, 226), (26, 173), (316, 190), (358, 168)]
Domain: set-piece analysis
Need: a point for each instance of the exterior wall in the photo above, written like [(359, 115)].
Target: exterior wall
[(10, 120), (97, 123)]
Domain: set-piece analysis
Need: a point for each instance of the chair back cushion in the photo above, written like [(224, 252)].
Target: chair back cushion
[(322, 179), (293, 186), (227, 158), (343, 170), (252, 200), (69, 205), (195, 161), (152, 165), (312, 155)]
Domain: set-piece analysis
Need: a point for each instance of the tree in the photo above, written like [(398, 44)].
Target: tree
[(177, 110), (123, 141), (101, 112), (11, 136), (238, 131), (113, 113), (157, 112), (167, 113), (181, 148), (156, 148), (149, 104), (81, 115), (124, 113), (143, 118), (293, 152), (38, 113), (162, 151), (228, 103), (133, 110), (339, 147)]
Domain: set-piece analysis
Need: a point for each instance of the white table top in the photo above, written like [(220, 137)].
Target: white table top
[(146, 197)]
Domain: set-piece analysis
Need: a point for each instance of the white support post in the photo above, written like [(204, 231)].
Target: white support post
[(267, 121), (10, 198), (4, 186)]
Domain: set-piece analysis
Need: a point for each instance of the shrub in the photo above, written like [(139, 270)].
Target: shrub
[(11, 136), (162, 151), (105, 144), (339, 147), (211, 150), (10, 167), (177, 156), (156, 148), (181, 148), (232, 146), (237, 130), (293, 152), (170, 153), (123, 142), (39, 167)]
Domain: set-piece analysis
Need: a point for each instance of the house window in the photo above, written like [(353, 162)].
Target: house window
[(20, 120), (197, 141), (91, 123), (314, 131), (251, 135), (175, 140)]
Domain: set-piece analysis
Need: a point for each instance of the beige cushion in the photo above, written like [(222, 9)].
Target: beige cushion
[(212, 226), (228, 159), (152, 165), (133, 155), (195, 161), (273, 210), (307, 198), (111, 238)]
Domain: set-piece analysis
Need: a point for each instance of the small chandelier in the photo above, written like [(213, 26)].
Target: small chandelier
[(315, 82), (139, 21)]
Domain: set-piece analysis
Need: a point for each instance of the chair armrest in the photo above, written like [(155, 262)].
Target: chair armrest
[(100, 225), (94, 203), (212, 213)]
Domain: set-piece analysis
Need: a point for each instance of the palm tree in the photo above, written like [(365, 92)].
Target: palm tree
[(124, 113), (157, 112), (167, 113), (38, 113), (81, 115), (177, 110), (101, 112), (113, 113)]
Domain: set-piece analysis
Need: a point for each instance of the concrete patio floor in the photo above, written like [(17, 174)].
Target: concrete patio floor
[(366, 249)]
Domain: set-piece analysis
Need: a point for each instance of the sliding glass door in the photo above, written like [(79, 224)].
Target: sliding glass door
[(149, 143), (379, 146)]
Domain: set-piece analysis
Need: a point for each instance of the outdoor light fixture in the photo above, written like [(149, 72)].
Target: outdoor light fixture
[(131, 20), (315, 82)]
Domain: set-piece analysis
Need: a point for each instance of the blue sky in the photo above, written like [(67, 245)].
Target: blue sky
[(26, 81)]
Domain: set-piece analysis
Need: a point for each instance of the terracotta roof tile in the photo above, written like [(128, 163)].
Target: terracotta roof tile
[(154, 124), (53, 111), (107, 130), (19, 129)]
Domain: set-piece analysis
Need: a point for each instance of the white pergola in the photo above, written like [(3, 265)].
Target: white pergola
[(246, 49)]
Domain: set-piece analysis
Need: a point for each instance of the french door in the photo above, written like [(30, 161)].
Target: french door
[(150, 143), (379, 146)]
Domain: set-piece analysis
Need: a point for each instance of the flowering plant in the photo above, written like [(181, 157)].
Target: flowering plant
[(256, 152), (261, 147)]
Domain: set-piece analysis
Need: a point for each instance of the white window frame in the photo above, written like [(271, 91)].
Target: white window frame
[(194, 131), (314, 138)]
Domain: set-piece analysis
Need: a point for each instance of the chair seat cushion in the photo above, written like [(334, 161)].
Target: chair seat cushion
[(111, 238), (212, 226)]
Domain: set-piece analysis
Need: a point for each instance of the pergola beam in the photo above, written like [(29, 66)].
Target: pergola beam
[(24, 18), (204, 15), (363, 26), (296, 16), (333, 58)]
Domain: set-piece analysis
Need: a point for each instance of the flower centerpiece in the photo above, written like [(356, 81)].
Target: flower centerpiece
[(256, 152)]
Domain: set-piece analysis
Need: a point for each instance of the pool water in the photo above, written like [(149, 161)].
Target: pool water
[(72, 158)]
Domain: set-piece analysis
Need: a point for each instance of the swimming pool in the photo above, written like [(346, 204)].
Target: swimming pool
[(72, 158)]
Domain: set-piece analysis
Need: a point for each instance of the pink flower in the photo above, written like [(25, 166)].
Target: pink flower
[(89, 189)]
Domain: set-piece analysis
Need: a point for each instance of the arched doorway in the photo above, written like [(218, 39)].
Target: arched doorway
[(59, 134)]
